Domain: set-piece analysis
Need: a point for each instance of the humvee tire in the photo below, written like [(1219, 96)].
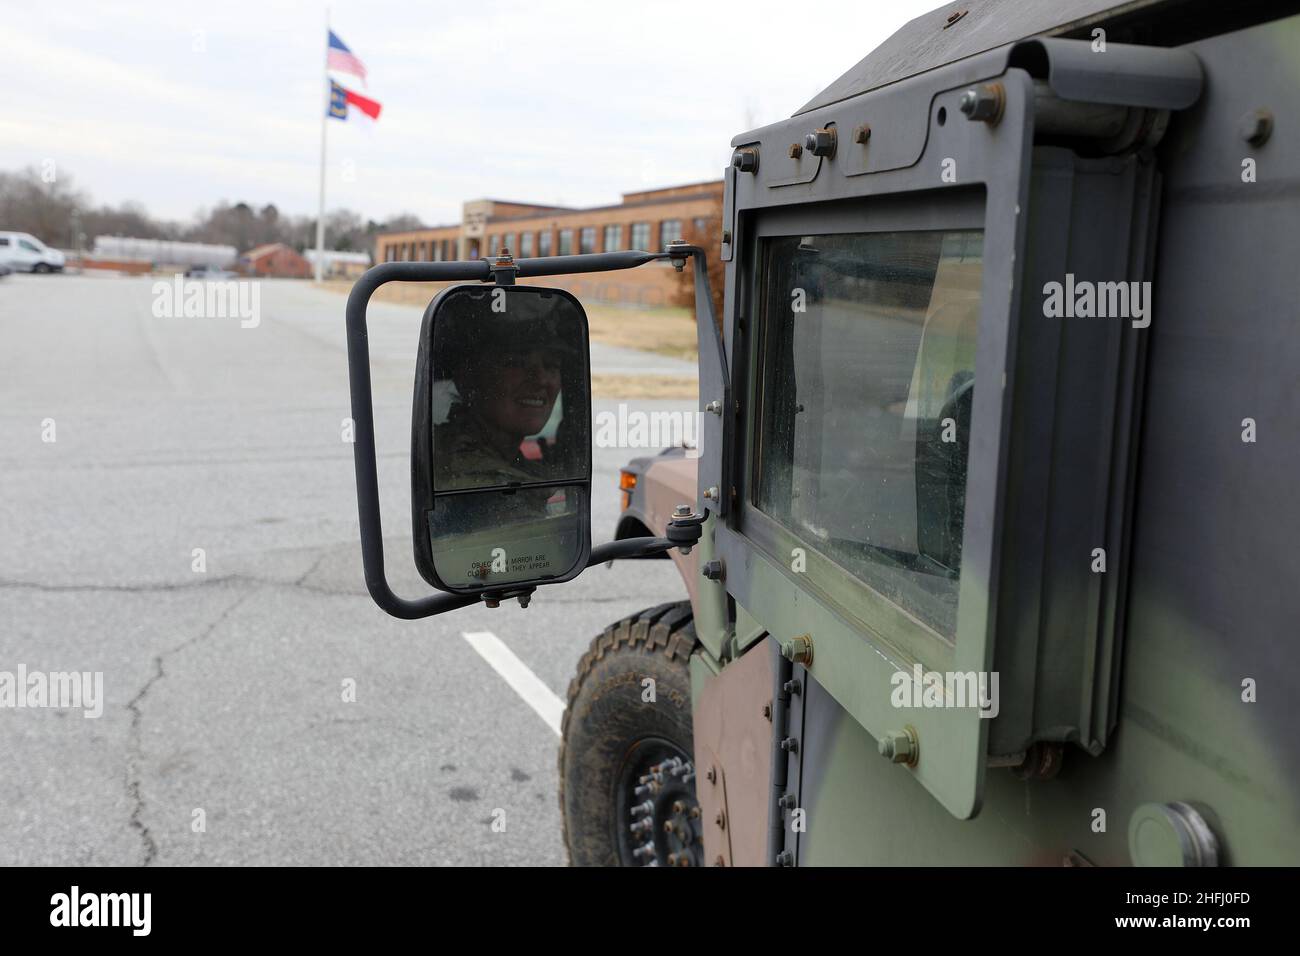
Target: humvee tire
[(613, 739)]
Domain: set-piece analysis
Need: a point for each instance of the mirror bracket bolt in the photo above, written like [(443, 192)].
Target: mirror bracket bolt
[(714, 570), (502, 268)]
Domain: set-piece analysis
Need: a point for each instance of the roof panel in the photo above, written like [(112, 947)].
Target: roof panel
[(925, 43)]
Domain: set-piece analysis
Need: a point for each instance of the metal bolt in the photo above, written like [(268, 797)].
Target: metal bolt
[(799, 650), (862, 133), (715, 407), (745, 159), (641, 808), (711, 493), (900, 746), (795, 150), (792, 686), (785, 858), (790, 745), (524, 599), (694, 813), (788, 801), (682, 511), (767, 711), (726, 237), (719, 861), (984, 103), (821, 142), (1256, 127), (713, 571), (668, 826), (491, 602), (679, 807), (712, 776), (721, 820)]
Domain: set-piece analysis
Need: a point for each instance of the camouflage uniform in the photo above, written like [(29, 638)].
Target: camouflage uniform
[(465, 458)]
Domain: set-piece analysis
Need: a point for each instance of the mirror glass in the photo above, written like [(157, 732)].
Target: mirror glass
[(509, 415)]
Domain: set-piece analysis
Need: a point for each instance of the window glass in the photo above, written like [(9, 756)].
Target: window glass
[(525, 245), (868, 380), (641, 236), (544, 242), (587, 240), (669, 231), (613, 238), (566, 242)]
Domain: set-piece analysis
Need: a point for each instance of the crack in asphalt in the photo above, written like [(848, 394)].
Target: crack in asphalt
[(134, 754)]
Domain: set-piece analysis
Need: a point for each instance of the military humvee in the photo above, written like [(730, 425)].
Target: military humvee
[(990, 552)]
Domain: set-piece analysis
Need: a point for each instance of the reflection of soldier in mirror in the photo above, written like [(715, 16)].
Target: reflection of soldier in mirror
[(508, 370)]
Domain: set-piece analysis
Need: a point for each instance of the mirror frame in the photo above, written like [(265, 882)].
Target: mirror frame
[(422, 450)]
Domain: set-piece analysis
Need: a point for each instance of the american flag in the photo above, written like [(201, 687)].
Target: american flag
[(340, 58)]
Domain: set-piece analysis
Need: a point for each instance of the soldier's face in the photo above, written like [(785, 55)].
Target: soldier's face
[(520, 390)]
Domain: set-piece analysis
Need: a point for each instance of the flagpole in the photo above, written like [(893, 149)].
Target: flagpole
[(324, 125)]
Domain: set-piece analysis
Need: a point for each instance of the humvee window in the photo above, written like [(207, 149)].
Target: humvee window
[(869, 372)]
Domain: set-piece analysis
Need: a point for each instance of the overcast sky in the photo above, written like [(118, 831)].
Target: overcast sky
[(179, 105)]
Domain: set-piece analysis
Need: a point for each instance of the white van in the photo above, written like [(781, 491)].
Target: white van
[(23, 252)]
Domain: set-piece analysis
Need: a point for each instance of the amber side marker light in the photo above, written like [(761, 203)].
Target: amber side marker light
[(626, 482)]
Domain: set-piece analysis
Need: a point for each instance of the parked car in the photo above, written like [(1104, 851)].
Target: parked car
[(23, 252), (213, 273)]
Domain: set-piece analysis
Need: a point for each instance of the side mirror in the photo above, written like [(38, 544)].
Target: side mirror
[(500, 440), (490, 524)]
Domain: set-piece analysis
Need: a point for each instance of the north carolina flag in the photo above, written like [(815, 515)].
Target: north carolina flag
[(341, 98), (339, 57)]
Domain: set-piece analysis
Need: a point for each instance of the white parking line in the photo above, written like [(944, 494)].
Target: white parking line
[(516, 673)]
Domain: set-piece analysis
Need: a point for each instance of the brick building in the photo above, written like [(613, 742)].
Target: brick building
[(646, 220), (274, 259)]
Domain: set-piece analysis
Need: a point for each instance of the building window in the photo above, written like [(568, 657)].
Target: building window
[(508, 242), (566, 242), (587, 240), (669, 230), (613, 238), (448, 250), (641, 236), (544, 242), (525, 245), (491, 245)]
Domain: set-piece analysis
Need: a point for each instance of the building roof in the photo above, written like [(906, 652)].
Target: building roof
[(257, 252)]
